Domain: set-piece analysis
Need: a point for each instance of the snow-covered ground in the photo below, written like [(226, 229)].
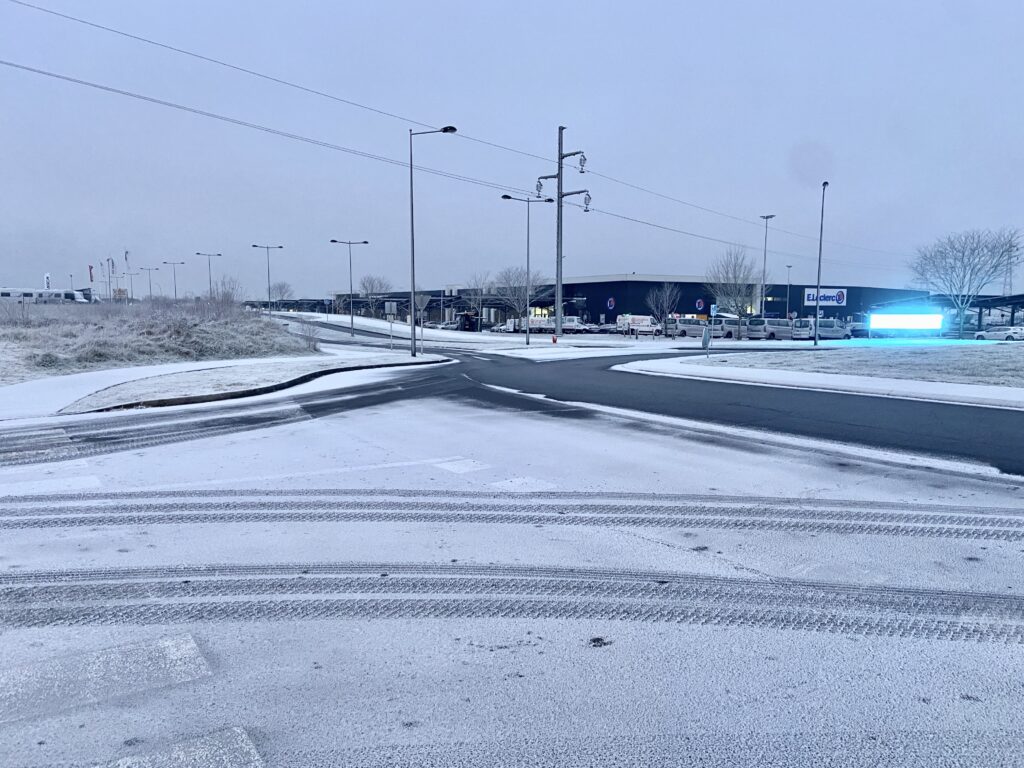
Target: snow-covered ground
[(79, 392), (963, 362), (431, 583)]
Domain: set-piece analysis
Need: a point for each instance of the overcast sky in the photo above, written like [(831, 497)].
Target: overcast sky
[(911, 110)]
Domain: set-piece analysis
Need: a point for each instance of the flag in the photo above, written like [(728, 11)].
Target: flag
[(126, 267), (90, 273)]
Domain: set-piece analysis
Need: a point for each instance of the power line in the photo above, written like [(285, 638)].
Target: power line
[(368, 155), (708, 238), (258, 127), (263, 76), (385, 113)]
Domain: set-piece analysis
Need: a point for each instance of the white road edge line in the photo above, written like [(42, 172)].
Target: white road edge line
[(620, 368), (790, 442)]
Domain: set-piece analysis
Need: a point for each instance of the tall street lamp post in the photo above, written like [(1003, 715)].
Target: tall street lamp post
[(268, 249), (149, 271), (764, 263), (788, 284), (209, 268), (174, 268), (412, 237), (821, 234), (351, 312), (529, 276)]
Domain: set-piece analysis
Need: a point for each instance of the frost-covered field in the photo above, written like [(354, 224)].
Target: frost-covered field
[(58, 339), (998, 363)]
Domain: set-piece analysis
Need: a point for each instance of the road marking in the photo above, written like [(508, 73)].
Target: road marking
[(476, 357), (51, 485), (463, 466), (524, 484), (54, 685), (229, 748)]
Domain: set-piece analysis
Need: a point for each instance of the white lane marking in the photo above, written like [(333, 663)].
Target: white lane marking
[(228, 748), (523, 484), (54, 685), (477, 357), (258, 480), (56, 484), (463, 466)]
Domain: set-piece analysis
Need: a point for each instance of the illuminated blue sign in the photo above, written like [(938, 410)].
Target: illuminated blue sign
[(915, 322)]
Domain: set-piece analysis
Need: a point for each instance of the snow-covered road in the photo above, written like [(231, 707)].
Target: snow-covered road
[(432, 583)]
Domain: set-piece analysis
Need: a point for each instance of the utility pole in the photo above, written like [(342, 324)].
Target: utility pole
[(71, 277), (821, 235), (174, 269), (559, 197), (764, 264), (149, 271), (209, 268)]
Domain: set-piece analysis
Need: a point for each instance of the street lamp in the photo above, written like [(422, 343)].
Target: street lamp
[(412, 236), (149, 271), (764, 264), (529, 201), (209, 268), (817, 294), (788, 284), (174, 268), (268, 247), (351, 313)]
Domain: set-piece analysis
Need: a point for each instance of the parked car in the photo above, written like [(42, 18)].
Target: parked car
[(859, 330), (1002, 333), (727, 327), (451, 325), (684, 327), (769, 328), (827, 329)]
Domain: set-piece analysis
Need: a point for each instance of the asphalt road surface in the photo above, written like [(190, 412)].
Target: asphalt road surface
[(986, 435)]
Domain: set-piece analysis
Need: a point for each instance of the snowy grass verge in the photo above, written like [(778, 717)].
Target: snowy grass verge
[(59, 339), (970, 362)]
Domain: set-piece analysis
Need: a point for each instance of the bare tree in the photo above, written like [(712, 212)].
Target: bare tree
[(281, 291), (732, 280), (373, 288), (310, 334), (478, 287), (510, 289), (961, 265), (663, 300)]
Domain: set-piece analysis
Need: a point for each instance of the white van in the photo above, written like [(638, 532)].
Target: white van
[(827, 329), (685, 327), (726, 327), (769, 328)]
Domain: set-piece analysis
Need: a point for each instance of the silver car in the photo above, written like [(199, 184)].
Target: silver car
[(769, 328)]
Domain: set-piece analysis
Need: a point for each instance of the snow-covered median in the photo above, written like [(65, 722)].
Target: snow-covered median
[(79, 393), (977, 373)]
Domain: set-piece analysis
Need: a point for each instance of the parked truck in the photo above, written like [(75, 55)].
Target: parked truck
[(630, 325)]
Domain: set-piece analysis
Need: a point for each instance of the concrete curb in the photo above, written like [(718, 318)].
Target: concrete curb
[(264, 390)]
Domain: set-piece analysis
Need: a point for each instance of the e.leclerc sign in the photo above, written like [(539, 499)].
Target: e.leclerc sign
[(830, 297)]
